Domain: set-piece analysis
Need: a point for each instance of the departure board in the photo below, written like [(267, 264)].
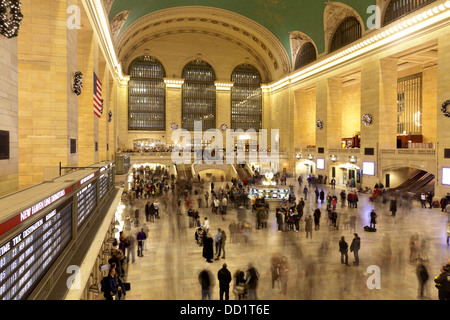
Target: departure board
[(104, 181), (28, 255), (87, 201)]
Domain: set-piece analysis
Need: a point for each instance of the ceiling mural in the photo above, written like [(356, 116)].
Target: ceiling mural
[(280, 17)]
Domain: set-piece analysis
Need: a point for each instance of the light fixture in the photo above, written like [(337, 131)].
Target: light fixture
[(10, 24), (333, 158), (224, 86), (310, 156), (174, 83), (352, 159), (298, 156)]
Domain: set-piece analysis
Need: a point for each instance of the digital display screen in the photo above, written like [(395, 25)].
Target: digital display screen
[(104, 185), (446, 176), (87, 201), (369, 168), (321, 164), (27, 256)]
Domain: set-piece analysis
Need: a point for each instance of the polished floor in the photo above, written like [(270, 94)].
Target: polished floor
[(172, 260)]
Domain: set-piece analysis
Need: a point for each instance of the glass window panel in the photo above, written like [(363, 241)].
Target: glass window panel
[(246, 98), (399, 8), (146, 95), (409, 105), (198, 96), (348, 31)]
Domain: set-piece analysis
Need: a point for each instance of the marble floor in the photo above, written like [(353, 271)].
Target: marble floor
[(172, 260)]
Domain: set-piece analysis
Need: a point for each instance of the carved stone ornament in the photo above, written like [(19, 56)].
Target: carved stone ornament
[(10, 18)]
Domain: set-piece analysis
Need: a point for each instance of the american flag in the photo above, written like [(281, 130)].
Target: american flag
[(98, 101)]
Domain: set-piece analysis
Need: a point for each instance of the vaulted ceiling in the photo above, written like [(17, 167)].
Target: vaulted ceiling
[(279, 17)]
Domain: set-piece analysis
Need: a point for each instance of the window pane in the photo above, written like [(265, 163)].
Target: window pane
[(409, 105), (146, 95), (246, 98), (199, 96)]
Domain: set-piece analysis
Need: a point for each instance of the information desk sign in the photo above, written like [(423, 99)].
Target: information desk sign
[(29, 253)]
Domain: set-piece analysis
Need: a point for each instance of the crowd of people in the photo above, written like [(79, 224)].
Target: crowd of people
[(155, 192)]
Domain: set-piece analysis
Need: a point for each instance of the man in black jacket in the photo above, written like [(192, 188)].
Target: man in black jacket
[(443, 283), (354, 247), (343, 249), (224, 277)]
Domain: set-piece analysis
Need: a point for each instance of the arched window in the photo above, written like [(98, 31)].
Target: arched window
[(199, 95), (246, 98), (146, 95), (306, 55), (348, 31), (400, 8)]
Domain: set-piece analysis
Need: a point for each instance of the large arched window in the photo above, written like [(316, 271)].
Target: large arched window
[(199, 95), (246, 98), (306, 55), (400, 8), (146, 95), (348, 31)]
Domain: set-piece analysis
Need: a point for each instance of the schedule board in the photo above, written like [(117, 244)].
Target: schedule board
[(29, 253), (87, 201)]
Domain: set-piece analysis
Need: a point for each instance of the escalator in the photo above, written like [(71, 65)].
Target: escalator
[(419, 182), (184, 171)]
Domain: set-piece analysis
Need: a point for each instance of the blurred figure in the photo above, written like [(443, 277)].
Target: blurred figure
[(422, 277), (208, 248), (284, 274), (308, 226), (275, 270), (413, 247), (206, 281), (393, 206), (252, 279), (448, 233), (240, 285)]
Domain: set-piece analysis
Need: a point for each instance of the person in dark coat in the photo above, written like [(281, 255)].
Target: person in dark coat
[(252, 282), (354, 247), (373, 219), (224, 276), (393, 206), (206, 281), (208, 248), (317, 215), (443, 283), (422, 276), (343, 249)]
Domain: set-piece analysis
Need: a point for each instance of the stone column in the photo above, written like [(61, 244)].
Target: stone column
[(379, 99), (223, 106), (173, 106), (43, 90)]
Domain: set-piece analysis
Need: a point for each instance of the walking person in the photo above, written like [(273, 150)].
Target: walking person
[(343, 249), (317, 215), (422, 277), (355, 247), (141, 237), (131, 248), (217, 240), (393, 206), (308, 226), (252, 282), (206, 282), (224, 277), (373, 219), (284, 274), (275, 271)]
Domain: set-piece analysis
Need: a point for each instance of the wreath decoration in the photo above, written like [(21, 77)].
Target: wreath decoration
[(444, 109), (367, 119), (224, 127), (174, 126), (319, 124), (78, 83), (110, 116), (10, 22)]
